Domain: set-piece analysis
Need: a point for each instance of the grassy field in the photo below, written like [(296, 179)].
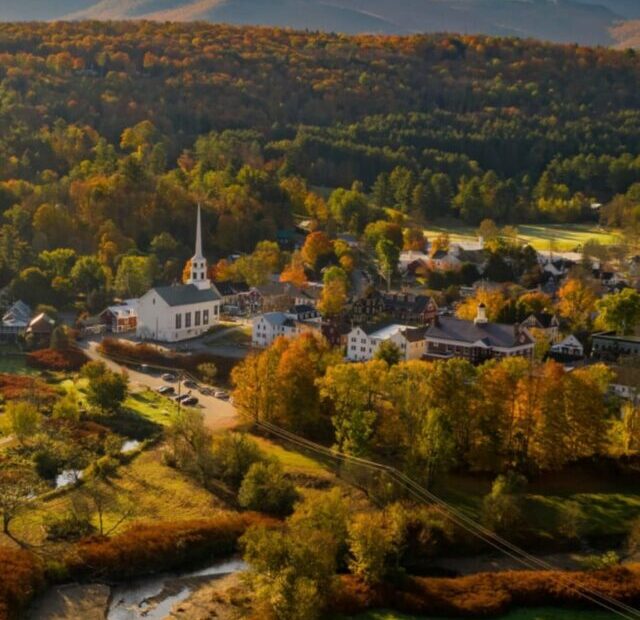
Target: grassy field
[(561, 237), (15, 365), (146, 487), (607, 504), (543, 613)]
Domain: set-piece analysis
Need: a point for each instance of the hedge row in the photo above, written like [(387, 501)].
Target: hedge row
[(487, 594), (21, 577), (66, 360), (149, 548), (153, 356)]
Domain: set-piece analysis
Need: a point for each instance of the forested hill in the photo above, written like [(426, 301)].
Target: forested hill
[(110, 132), (592, 22)]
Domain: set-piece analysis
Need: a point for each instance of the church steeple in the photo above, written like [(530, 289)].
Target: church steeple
[(199, 262)]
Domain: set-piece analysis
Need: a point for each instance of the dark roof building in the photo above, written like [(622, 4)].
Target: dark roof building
[(476, 340)]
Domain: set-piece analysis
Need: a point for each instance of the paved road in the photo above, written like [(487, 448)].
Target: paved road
[(218, 414)]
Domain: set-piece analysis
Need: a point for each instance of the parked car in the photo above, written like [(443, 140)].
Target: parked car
[(182, 398), (192, 401), (206, 391), (189, 383), (221, 394), (168, 376), (166, 390)]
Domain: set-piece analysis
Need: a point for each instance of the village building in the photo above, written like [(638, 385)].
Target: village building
[(121, 318), (183, 311), (39, 331), (364, 341), (476, 340), (296, 321), (398, 306), (610, 346), (568, 349), (546, 323), (15, 321)]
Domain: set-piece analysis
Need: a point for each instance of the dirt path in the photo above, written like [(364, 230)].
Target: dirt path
[(218, 414)]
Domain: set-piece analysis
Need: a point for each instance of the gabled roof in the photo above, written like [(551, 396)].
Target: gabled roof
[(497, 335), (544, 320), (415, 334), (185, 294), (18, 314)]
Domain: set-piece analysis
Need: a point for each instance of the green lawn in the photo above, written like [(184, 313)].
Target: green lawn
[(543, 613), (563, 237), (15, 365), (290, 460), (607, 504)]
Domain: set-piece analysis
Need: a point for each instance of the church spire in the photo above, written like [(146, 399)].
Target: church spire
[(198, 253), (199, 262)]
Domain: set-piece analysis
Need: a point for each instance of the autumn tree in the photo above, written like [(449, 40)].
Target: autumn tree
[(494, 301), (334, 292), (577, 302), (316, 250), (619, 312), (294, 272), (356, 393)]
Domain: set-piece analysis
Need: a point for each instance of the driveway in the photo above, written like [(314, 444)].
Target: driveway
[(218, 414)]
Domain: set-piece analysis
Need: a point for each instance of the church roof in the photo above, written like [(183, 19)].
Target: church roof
[(186, 294)]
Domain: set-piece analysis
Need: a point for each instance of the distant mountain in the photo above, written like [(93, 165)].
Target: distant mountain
[(574, 21)]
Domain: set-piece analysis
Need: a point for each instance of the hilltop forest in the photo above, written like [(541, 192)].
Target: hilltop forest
[(111, 132)]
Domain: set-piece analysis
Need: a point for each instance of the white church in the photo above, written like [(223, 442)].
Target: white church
[(182, 311)]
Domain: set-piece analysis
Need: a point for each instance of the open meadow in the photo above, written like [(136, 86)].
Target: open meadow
[(559, 237)]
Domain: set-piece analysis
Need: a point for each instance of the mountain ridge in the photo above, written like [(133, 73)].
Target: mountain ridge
[(588, 22)]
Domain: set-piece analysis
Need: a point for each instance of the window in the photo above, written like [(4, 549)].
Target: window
[(205, 317), (197, 320), (187, 319), (178, 321)]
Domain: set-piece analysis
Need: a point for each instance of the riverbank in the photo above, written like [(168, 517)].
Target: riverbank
[(151, 598)]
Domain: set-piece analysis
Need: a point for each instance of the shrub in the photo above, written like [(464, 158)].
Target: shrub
[(21, 577), (233, 455), (70, 526), (266, 488), (17, 387), (372, 543), (152, 547), (67, 360)]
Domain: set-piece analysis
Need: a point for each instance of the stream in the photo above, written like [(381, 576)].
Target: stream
[(148, 598), (153, 598)]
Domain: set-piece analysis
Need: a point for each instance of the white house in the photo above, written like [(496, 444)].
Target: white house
[(183, 311), (569, 347), (15, 321), (363, 343), (271, 325)]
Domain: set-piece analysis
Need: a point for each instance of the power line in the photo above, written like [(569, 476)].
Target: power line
[(464, 522)]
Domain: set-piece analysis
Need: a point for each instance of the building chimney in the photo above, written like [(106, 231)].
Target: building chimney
[(481, 316)]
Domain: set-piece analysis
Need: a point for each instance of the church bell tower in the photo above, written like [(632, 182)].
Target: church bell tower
[(198, 275)]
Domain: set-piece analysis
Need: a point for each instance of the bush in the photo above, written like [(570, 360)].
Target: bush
[(233, 455), (266, 488), (21, 577), (71, 526), (153, 547), (67, 360), (22, 387)]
